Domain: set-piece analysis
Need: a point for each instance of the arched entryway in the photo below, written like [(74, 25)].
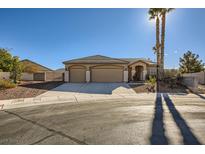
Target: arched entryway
[(138, 76), (137, 71)]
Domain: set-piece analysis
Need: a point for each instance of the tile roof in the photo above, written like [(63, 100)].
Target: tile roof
[(99, 59), (96, 59), (132, 60), (27, 60)]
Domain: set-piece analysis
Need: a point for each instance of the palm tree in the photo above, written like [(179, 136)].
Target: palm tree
[(164, 12), (154, 14)]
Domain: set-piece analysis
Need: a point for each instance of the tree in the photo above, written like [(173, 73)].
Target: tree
[(164, 12), (190, 63), (16, 69), (9, 63), (154, 14), (5, 60)]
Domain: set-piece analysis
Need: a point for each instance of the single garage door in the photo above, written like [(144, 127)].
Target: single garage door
[(77, 75), (107, 75), (39, 76)]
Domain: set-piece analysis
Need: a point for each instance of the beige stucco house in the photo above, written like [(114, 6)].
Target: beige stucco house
[(99, 68)]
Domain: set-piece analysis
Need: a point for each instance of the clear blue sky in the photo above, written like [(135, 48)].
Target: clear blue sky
[(50, 36)]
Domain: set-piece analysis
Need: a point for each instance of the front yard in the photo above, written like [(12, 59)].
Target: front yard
[(163, 88), (28, 89), (32, 89)]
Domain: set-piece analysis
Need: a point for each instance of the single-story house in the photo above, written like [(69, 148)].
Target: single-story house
[(35, 66), (35, 71), (100, 68)]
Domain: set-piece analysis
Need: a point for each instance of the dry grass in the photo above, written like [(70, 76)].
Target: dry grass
[(6, 84)]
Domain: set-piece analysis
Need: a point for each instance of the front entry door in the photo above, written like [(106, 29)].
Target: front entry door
[(138, 73)]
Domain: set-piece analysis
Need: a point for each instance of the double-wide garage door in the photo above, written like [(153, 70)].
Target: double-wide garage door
[(106, 75), (98, 74)]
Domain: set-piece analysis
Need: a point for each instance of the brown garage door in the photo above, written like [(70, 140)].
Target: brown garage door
[(77, 75), (107, 75)]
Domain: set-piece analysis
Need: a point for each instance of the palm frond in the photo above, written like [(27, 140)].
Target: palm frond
[(170, 9), (154, 12)]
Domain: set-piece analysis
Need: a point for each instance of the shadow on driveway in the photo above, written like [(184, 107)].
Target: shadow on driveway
[(158, 136), (93, 88), (158, 132), (201, 96), (188, 137), (42, 85)]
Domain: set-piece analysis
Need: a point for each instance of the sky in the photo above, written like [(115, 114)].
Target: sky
[(51, 36)]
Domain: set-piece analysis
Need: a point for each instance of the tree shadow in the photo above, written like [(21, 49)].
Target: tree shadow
[(158, 132), (188, 137), (201, 96), (86, 88), (42, 85)]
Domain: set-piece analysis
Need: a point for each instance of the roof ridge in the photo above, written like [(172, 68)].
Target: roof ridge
[(36, 63), (146, 59), (95, 57), (98, 58)]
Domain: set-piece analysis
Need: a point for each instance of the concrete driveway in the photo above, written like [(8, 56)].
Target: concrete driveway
[(163, 119), (90, 89)]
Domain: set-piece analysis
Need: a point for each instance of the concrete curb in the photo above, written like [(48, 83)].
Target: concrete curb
[(46, 100)]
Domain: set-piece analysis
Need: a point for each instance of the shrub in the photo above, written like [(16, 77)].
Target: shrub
[(152, 81), (148, 76), (5, 84)]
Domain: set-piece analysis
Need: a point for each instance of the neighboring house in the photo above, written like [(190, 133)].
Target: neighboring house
[(106, 69), (36, 72), (35, 66), (62, 70)]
